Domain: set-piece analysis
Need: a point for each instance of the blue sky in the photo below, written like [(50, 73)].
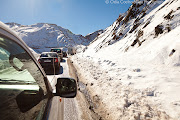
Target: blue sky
[(79, 16)]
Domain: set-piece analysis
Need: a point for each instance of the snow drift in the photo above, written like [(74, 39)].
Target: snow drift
[(134, 65)]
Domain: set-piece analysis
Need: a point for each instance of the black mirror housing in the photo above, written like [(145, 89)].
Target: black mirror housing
[(66, 87)]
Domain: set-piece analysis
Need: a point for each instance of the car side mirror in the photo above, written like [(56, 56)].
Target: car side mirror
[(66, 87), (27, 99)]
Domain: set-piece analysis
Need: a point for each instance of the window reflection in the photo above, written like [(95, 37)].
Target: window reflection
[(18, 73)]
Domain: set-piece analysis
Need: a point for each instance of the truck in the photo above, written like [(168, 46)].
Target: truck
[(71, 51)]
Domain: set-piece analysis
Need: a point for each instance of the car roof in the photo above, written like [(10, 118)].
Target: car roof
[(56, 48), (48, 52)]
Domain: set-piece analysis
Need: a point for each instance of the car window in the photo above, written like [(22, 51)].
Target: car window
[(52, 55), (48, 55), (56, 50), (21, 83), (44, 55), (59, 51)]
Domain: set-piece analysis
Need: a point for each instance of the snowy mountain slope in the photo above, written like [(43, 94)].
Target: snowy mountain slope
[(152, 26), (126, 23), (43, 36), (92, 36), (134, 65)]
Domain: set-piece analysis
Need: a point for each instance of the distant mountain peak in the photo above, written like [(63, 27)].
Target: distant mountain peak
[(43, 36)]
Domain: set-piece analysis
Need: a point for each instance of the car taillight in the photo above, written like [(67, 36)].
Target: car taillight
[(56, 60), (39, 61)]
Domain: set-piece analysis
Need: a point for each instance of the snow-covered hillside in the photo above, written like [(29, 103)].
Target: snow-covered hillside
[(133, 67), (92, 36), (43, 36)]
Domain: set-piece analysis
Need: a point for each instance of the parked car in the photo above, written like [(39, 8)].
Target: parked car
[(58, 51), (49, 60), (25, 91), (64, 54)]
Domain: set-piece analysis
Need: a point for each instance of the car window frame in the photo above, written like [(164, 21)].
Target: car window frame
[(4, 32), (12, 36)]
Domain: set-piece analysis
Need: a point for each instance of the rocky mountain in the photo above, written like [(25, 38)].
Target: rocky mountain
[(92, 36), (129, 23), (144, 22), (43, 36)]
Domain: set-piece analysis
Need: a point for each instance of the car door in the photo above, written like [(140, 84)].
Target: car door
[(24, 92)]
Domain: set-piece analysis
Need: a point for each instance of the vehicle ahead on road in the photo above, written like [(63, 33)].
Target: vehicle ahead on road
[(25, 91), (64, 54), (49, 60), (58, 51), (71, 51)]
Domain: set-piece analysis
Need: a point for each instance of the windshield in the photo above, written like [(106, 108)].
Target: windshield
[(48, 55)]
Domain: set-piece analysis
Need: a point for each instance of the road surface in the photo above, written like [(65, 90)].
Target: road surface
[(62, 108)]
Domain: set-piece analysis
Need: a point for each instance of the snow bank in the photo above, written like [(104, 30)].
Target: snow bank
[(135, 70)]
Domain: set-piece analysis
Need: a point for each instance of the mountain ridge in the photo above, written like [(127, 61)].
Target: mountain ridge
[(43, 36)]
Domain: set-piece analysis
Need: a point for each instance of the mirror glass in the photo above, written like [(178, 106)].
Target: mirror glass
[(66, 87)]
